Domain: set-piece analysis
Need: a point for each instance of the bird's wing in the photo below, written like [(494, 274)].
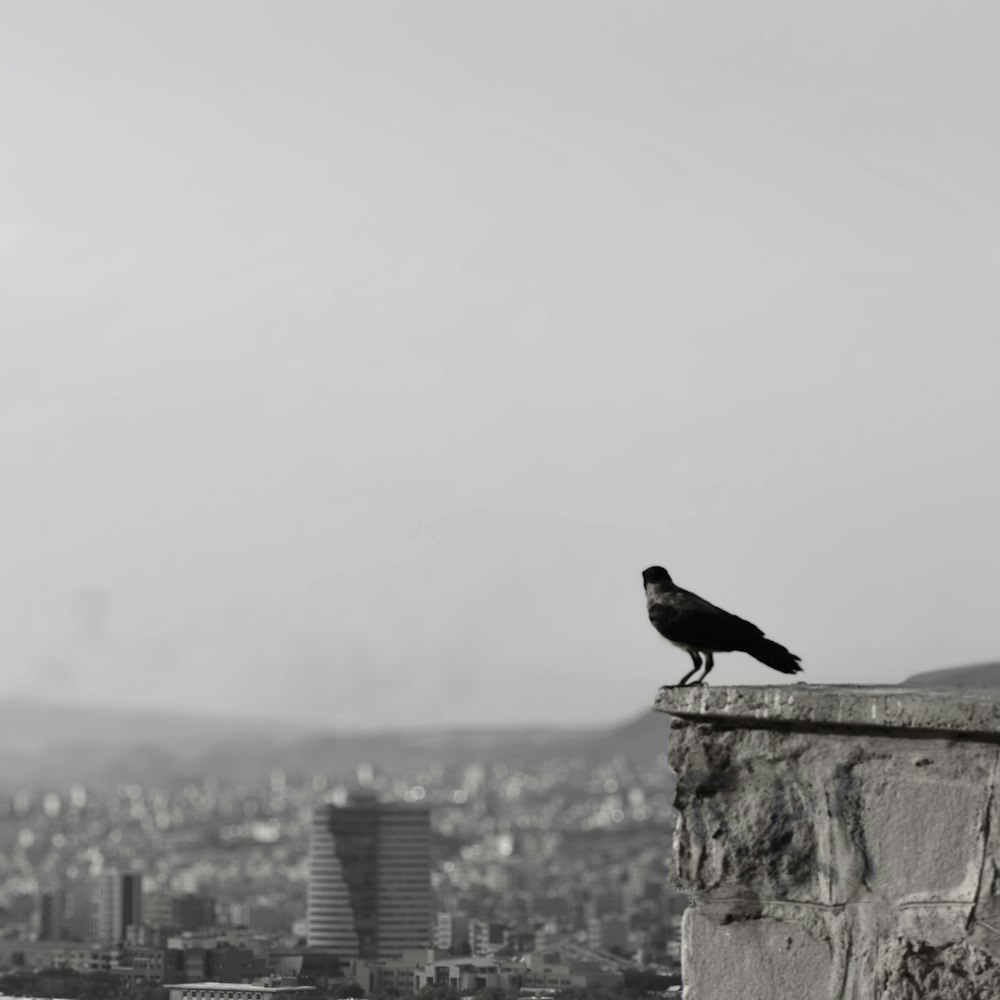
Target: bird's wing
[(693, 621)]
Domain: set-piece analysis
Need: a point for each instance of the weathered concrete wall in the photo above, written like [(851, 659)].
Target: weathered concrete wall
[(837, 842)]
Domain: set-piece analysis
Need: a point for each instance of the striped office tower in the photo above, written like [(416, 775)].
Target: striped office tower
[(369, 878)]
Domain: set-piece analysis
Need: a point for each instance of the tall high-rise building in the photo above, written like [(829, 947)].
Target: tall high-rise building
[(370, 878), (451, 932), (78, 914), (117, 905), (52, 916)]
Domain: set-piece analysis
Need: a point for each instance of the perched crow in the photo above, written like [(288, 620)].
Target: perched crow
[(693, 624)]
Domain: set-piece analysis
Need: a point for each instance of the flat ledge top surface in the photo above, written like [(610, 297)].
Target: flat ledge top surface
[(847, 706)]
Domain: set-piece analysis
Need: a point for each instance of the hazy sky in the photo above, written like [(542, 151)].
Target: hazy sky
[(357, 357)]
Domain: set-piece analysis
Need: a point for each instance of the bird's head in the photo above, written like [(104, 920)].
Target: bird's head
[(656, 574)]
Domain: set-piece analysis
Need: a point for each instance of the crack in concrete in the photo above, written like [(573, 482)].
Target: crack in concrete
[(985, 833), (833, 907), (845, 971)]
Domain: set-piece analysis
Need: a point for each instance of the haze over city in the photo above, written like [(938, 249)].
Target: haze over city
[(358, 358)]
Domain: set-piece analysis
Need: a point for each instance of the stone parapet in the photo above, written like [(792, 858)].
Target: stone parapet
[(838, 843)]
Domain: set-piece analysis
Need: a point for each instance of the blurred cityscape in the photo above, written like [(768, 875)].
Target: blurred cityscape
[(547, 868)]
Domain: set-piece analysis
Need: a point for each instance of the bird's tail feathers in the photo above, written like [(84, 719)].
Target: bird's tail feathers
[(775, 655)]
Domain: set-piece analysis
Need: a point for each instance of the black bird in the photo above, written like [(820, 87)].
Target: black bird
[(690, 622)]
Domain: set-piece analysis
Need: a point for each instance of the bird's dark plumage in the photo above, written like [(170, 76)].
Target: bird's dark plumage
[(702, 629)]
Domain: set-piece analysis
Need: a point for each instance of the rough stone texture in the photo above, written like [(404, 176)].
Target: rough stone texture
[(912, 971), (757, 959), (837, 842)]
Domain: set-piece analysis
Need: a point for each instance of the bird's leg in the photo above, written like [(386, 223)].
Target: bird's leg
[(696, 658), (709, 663)]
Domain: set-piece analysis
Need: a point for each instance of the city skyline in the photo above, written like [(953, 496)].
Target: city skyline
[(528, 854)]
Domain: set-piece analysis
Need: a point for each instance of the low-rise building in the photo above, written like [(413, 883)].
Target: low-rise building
[(150, 964), (466, 975), (400, 973), (608, 933), (80, 956), (451, 931), (486, 937), (236, 991)]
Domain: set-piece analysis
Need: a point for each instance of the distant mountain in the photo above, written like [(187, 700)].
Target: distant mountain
[(33, 727), (978, 675), (641, 738), (51, 746)]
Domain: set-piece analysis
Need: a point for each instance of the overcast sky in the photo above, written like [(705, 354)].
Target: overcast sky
[(357, 357)]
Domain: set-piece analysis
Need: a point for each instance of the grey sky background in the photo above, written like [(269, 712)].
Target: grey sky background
[(356, 358)]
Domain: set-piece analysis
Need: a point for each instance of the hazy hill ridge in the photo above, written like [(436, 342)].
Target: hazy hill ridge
[(56, 744), (977, 675), (52, 745)]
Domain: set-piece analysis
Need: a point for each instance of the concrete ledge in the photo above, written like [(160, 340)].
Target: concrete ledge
[(847, 707), (837, 842)]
